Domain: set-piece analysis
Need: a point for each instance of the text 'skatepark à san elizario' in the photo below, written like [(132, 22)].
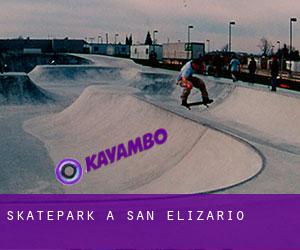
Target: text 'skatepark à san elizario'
[(130, 215)]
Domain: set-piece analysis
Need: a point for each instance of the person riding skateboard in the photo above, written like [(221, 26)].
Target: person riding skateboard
[(187, 81)]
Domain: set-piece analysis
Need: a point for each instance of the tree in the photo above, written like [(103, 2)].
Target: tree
[(265, 46), (148, 40), (130, 40)]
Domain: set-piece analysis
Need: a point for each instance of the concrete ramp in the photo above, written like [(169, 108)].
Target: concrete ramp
[(259, 112), (154, 83), (194, 159), (75, 74), (17, 88)]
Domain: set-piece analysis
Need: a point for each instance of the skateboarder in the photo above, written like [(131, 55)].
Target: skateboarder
[(187, 81)]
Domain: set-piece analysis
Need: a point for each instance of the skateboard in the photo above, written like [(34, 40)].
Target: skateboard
[(189, 105)]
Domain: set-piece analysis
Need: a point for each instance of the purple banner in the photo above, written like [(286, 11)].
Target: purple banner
[(150, 222)]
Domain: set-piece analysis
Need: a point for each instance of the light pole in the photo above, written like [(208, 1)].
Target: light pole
[(154, 32), (116, 35), (281, 57), (154, 41), (229, 43), (106, 35), (100, 37), (292, 19), (189, 40), (208, 45)]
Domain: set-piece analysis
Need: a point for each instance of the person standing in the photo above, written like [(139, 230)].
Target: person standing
[(274, 73), (218, 65), (252, 69), (235, 68)]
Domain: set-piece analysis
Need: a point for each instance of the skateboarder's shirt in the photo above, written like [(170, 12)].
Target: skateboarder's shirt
[(187, 71)]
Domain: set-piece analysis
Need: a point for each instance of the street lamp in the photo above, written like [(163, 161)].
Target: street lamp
[(106, 35), (229, 44), (154, 42), (208, 45), (292, 20), (281, 57), (154, 32), (189, 39), (116, 35)]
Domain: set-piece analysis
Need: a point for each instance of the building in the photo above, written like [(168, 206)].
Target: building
[(120, 50), (146, 52), (42, 45), (179, 52), (68, 45), (295, 66)]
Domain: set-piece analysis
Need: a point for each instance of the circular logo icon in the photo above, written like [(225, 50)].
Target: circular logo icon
[(68, 172)]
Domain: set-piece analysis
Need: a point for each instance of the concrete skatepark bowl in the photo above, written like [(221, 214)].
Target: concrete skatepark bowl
[(239, 145)]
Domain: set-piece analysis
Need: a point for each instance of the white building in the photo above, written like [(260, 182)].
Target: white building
[(182, 51), (295, 66), (146, 52), (122, 50)]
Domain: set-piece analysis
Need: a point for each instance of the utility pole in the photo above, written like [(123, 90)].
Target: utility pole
[(292, 19), (189, 40), (229, 44)]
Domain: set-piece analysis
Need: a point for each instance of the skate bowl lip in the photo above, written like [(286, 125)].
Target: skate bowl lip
[(63, 74), (279, 104), (14, 74), (236, 138), (68, 66)]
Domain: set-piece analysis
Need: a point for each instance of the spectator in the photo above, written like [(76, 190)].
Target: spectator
[(235, 68), (252, 69), (218, 65), (274, 73)]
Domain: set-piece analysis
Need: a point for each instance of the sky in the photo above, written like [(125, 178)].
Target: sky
[(92, 18)]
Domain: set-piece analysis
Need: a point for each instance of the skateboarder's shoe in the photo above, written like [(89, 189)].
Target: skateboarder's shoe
[(206, 100), (184, 103)]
